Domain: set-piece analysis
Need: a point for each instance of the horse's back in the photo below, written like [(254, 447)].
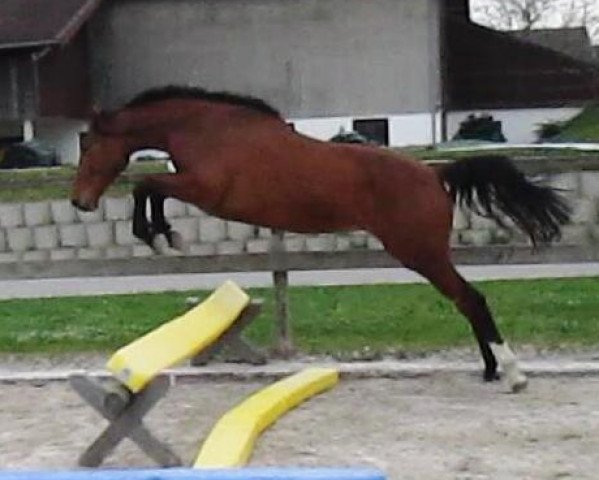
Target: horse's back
[(370, 186), (272, 176)]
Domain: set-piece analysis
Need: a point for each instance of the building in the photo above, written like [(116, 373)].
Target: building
[(45, 90), (323, 64), (402, 71), (520, 78)]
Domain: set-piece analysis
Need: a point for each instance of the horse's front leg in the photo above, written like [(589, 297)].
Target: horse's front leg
[(142, 228), (157, 188), (160, 226)]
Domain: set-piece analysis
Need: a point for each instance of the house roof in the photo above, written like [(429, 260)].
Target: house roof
[(574, 42), (34, 24), (486, 68)]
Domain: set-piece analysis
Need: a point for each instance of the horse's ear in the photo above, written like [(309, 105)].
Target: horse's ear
[(104, 122)]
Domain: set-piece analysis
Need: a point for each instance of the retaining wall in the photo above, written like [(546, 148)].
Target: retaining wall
[(52, 231)]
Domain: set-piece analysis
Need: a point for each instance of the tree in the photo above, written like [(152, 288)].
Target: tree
[(527, 14), (585, 13), (513, 14)]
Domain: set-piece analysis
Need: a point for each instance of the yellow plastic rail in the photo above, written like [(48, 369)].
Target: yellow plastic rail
[(231, 441), (139, 362)]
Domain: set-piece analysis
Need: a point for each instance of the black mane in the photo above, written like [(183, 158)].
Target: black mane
[(183, 92)]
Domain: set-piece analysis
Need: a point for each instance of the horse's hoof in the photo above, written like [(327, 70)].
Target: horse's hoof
[(175, 240), (491, 375), (160, 244), (519, 384)]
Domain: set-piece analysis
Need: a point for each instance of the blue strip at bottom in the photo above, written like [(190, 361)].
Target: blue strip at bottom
[(198, 474)]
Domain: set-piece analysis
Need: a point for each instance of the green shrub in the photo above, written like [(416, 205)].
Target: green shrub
[(548, 130)]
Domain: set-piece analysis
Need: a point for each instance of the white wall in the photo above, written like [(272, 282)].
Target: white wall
[(413, 129), (408, 129), (63, 135), (322, 128), (518, 126)]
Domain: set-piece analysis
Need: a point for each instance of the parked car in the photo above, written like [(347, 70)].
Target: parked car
[(28, 155)]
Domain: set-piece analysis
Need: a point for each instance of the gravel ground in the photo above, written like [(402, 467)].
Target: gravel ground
[(444, 425)]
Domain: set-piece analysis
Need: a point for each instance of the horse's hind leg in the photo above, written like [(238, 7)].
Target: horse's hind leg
[(473, 305), (439, 270)]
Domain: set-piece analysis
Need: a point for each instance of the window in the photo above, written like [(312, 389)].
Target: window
[(374, 129)]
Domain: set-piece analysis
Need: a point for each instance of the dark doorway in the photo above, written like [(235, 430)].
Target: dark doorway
[(374, 129)]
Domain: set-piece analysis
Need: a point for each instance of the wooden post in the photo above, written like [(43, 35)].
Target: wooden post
[(284, 346)]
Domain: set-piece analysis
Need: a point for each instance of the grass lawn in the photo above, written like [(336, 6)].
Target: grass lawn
[(549, 153), (334, 320), (37, 184), (582, 128)]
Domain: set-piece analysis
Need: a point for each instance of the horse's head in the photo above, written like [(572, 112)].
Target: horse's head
[(104, 154)]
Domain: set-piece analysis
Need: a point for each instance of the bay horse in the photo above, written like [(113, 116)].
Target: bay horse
[(237, 159)]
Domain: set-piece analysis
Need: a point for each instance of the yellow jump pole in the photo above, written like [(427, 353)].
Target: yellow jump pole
[(231, 441)]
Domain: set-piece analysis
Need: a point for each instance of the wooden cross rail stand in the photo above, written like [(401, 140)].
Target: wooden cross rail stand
[(232, 344), (136, 385), (124, 413)]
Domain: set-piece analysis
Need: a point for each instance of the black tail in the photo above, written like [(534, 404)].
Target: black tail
[(492, 185)]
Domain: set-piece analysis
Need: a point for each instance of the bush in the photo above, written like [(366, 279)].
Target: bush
[(548, 130), (482, 127), (349, 137)]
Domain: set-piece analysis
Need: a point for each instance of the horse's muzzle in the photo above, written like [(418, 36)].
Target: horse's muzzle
[(83, 206)]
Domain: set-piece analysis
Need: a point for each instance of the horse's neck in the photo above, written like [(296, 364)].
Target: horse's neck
[(150, 127)]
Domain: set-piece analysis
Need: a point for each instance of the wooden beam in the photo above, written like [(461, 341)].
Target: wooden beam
[(298, 261)]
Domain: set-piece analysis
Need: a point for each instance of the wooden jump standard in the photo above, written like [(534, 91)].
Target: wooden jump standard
[(136, 386)]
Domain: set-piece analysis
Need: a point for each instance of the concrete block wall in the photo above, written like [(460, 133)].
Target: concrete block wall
[(54, 230)]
